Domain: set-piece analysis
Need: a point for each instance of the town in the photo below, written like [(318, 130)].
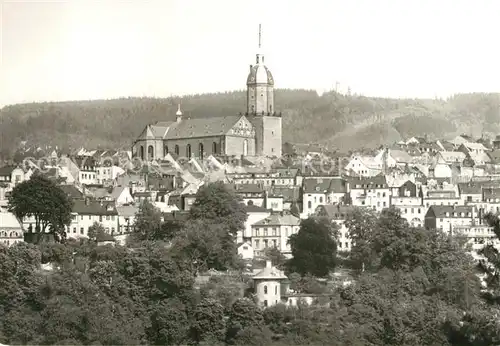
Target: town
[(174, 167)]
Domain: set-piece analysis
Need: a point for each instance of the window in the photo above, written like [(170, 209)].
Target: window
[(176, 150), (188, 151), (200, 151), (265, 289), (265, 303), (81, 230), (214, 148), (74, 229), (81, 217), (150, 152), (275, 289), (309, 204)]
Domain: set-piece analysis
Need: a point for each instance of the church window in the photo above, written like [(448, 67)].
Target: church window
[(176, 149), (188, 151), (214, 148), (265, 289), (245, 147), (309, 204), (150, 152), (200, 151), (141, 151), (165, 150)]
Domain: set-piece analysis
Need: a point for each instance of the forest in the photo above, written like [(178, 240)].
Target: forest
[(412, 286), (337, 121)]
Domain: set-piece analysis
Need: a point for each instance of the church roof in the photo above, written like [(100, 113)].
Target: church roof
[(201, 127)]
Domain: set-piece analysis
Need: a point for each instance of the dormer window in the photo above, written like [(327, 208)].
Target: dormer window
[(447, 214)]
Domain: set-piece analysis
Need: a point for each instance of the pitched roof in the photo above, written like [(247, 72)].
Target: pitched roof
[(278, 220), (71, 191), (6, 170), (93, 208), (316, 185), (440, 211), (469, 188), (271, 273), (201, 127), (334, 212), (452, 156), (400, 156), (289, 193)]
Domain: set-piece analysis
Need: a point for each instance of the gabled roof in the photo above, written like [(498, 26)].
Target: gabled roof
[(452, 156), (334, 212), (71, 191), (289, 193), (278, 220), (400, 156), (94, 208), (6, 170), (494, 156), (469, 188), (202, 127), (270, 273), (439, 211)]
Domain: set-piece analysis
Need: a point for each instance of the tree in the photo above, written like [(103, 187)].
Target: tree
[(361, 225), (275, 256), (41, 199), (219, 205), (96, 230), (246, 324), (148, 222), (204, 245), (491, 265), (209, 324), (313, 248)]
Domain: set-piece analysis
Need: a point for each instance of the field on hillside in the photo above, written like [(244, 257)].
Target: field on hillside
[(341, 122)]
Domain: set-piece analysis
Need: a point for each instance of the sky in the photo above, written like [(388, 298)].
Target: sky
[(74, 50)]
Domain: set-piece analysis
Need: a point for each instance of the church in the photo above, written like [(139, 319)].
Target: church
[(257, 132)]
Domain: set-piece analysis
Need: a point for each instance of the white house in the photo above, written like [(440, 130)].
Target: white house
[(365, 166), (274, 232), (370, 192), (10, 229)]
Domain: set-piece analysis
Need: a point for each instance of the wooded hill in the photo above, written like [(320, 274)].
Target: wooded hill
[(342, 122)]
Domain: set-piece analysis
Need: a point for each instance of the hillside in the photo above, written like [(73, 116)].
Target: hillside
[(342, 122)]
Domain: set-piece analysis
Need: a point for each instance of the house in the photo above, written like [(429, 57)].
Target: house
[(86, 166), (86, 212), (319, 191), (459, 140), (470, 192), (289, 195), (370, 192), (393, 158), (245, 251), (250, 192), (274, 232), (338, 214), (408, 200), (365, 166), (104, 239), (267, 285), (254, 214), (121, 195), (10, 176), (472, 148), (459, 220), (11, 231), (126, 219)]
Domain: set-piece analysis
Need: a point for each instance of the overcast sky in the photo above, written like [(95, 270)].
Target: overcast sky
[(86, 50)]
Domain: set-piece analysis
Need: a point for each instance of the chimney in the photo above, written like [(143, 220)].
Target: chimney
[(269, 264)]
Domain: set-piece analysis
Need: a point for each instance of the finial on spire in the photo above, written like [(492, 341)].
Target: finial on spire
[(179, 112), (260, 34)]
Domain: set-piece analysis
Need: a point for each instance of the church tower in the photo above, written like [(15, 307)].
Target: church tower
[(260, 107)]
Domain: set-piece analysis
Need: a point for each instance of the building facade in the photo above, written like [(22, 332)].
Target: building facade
[(255, 133)]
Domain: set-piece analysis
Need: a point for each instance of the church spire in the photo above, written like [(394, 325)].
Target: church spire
[(260, 56)]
